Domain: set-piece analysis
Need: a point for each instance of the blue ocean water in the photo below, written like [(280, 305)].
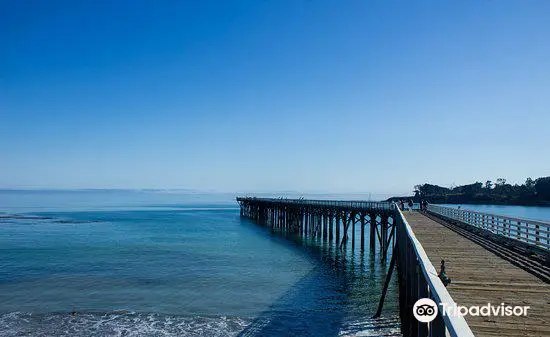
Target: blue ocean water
[(161, 263), (526, 212)]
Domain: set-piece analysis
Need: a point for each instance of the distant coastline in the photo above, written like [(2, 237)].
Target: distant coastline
[(534, 192), (458, 200)]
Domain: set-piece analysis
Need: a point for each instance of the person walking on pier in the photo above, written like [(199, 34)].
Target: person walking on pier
[(410, 205)]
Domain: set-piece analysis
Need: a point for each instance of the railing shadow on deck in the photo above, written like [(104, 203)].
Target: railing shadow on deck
[(297, 312)]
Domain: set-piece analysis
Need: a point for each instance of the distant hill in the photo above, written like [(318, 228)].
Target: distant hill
[(532, 192)]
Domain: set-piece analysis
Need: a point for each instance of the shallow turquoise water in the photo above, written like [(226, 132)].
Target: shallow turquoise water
[(172, 264)]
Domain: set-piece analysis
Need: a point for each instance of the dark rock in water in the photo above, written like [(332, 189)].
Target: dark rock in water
[(4, 217), (69, 221), (25, 217)]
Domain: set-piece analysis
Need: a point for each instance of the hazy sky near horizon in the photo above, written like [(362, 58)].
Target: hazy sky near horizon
[(302, 95)]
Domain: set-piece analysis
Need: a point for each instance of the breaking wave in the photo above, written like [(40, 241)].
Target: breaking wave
[(125, 324)]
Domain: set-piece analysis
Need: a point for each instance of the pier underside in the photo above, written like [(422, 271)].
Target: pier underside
[(331, 222)]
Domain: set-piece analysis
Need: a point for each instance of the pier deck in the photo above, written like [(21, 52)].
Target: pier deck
[(480, 277)]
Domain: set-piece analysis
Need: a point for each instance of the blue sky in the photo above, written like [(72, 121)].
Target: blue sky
[(304, 95)]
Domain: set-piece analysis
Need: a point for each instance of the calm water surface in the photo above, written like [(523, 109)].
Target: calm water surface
[(173, 264), (527, 212)]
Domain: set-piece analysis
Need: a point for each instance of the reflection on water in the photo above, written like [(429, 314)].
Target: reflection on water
[(187, 270), (318, 313)]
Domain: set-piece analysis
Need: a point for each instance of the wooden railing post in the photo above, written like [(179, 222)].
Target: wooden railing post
[(437, 326), (422, 293)]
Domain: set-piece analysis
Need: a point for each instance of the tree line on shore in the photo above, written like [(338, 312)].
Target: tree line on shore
[(532, 192)]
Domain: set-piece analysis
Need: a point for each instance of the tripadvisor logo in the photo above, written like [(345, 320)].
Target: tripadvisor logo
[(425, 310)]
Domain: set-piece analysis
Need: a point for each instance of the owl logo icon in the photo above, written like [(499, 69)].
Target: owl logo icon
[(425, 310)]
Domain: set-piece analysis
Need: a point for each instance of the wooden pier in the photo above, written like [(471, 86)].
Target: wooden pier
[(331, 221), (490, 259), (480, 277)]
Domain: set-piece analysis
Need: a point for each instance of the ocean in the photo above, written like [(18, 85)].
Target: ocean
[(526, 212), (165, 263)]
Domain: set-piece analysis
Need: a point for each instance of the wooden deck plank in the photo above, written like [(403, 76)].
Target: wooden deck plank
[(480, 277)]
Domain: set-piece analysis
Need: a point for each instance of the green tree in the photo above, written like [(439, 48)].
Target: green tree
[(542, 187), (530, 184), (472, 189)]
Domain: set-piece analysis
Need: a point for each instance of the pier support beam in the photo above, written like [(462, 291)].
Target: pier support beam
[(330, 228), (372, 232), (352, 231), (337, 224), (325, 221), (384, 226), (362, 231), (325, 227)]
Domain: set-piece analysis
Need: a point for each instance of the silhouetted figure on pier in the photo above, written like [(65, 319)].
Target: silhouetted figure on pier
[(443, 275)]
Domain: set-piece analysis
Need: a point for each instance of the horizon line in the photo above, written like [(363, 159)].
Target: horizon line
[(60, 189)]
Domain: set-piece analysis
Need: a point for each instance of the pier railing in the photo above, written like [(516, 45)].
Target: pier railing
[(333, 220), (419, 279), (358, 205), (531, 232)]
